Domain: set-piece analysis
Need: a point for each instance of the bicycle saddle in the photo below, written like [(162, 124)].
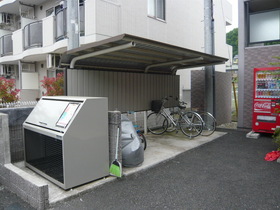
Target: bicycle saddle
[(181, 106)]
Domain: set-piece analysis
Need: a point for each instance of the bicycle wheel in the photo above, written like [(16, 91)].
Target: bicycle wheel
[(142, 139), (209, 124), (157, 123), (191, 124)]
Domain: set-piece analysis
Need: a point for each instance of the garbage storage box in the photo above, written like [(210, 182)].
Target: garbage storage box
[(66, 139)]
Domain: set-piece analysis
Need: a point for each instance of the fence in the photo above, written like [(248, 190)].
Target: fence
[(18, 104)]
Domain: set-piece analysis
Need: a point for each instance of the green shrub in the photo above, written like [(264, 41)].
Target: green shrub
[(8, 92), (53, 85), (276, 137)]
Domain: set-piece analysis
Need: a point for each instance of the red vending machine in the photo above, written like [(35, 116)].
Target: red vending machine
[(266, 105)]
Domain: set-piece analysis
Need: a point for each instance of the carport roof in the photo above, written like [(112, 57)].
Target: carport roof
[(134, 54)]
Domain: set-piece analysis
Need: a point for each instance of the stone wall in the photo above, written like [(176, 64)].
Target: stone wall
[(16, 118)]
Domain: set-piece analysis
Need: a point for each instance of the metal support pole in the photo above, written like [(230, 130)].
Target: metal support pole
[(20, 74), (145, 122), (209, 49)]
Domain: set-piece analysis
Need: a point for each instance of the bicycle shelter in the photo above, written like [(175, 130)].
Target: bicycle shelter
[(131, 71)]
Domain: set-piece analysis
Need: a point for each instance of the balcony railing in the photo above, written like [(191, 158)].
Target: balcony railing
[(6, 45), (32, 35), (61, 22)]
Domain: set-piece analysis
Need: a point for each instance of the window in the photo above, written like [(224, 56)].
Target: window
[(156, 9), (49, 12), (264, 26)]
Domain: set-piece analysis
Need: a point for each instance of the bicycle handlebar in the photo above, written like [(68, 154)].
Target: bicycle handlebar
[(180, 102)]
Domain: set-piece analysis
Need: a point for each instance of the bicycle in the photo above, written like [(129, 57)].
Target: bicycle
[(160, 120), (209, 121)]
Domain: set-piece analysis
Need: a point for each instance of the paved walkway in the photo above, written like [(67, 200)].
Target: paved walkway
[(227, 173)]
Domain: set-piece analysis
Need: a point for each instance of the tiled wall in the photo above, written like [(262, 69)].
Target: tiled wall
[(255, 57), (222, 92)]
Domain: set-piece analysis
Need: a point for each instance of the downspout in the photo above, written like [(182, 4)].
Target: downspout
[(172, 62), (174, 70), (101, 52), (20, 74)]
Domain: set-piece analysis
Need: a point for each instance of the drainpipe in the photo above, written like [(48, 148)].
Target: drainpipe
[(20, 74), (101, 52), (175, 68), (172, 62)]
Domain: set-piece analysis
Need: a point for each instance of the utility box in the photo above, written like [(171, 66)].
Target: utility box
[(66, 139)]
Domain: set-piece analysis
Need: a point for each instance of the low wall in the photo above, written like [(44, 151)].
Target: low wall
[(18, 181), (16, 117)]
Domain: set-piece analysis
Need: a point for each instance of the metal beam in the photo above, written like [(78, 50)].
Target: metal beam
[(101, 52)]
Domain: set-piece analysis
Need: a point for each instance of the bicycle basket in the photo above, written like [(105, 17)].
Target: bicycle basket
[(156, 105)]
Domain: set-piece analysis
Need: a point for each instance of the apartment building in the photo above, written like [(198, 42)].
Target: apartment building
[(259, 41), (34, 34)]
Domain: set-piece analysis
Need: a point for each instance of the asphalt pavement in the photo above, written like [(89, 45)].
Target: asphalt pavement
[(227, 173), (9, 201)]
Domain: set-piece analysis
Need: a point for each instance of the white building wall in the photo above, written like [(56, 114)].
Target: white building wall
[(40, 10), (17, 42), (184, 26), (220, 20), (108, 18), (48, 31), (4, 32), (192, 33)]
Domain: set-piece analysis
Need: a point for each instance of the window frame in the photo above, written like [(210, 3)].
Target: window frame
[(154, 10)]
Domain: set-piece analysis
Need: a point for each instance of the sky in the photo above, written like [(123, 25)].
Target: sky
[(234, 4)]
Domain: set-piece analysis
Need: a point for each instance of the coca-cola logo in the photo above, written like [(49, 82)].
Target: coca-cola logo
[(262, 105)]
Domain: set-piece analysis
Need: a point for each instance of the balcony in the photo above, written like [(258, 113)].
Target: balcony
[(32, 35), (6, 45)]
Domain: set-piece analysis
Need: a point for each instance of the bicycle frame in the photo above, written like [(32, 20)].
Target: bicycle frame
[(172, 119), (169, 117)]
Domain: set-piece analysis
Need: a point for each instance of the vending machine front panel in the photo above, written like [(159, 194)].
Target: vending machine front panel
[(266, 101)]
